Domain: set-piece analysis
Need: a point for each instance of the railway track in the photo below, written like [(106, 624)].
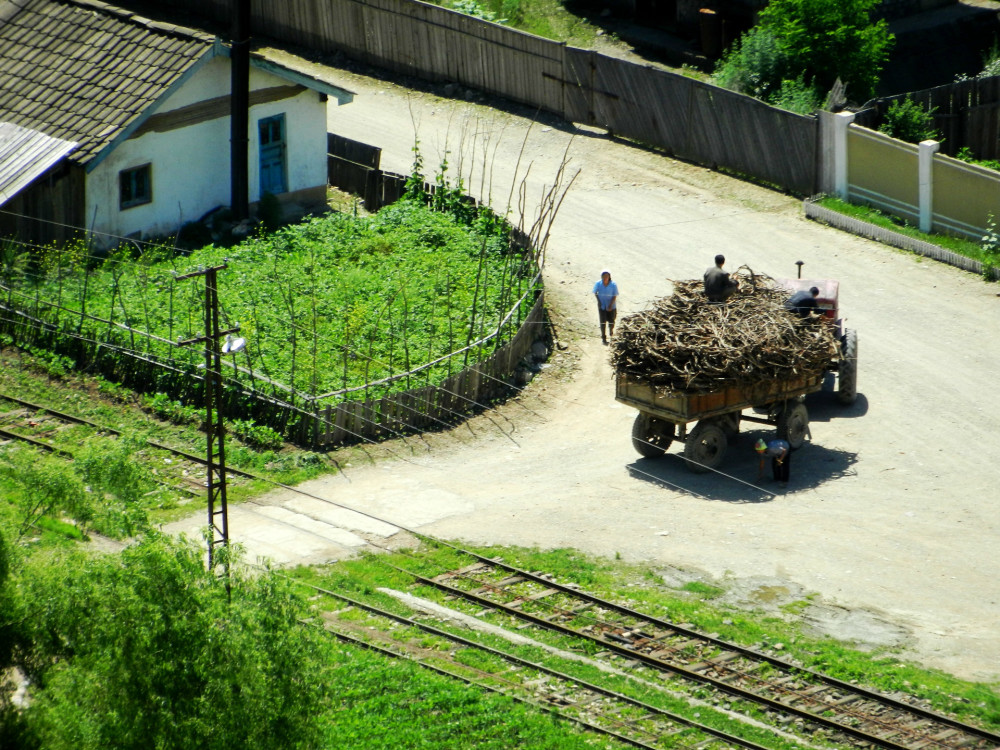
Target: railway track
[(844, 713), (57, 432), (592, 707)]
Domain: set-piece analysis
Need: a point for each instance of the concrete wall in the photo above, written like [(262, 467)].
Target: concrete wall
[(934, 192), (883, 171), (965, 195), (190, 162)]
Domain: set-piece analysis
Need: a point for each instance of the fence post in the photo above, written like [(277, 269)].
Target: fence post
[(925, 178), (841, 178)]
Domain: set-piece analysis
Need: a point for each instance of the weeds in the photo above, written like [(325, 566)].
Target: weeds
[(257, 435)]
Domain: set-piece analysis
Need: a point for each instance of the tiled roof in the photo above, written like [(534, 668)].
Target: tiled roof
[(82, 70), (24, 155)]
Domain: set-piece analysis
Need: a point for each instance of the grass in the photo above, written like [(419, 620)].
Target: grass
[(546, 18), (391, 704), (965, 247), (29, 378), (693, 604)]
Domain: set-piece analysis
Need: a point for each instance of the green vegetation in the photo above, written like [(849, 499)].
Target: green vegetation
[(991, 64), (331, 304), (546, 18), (134, 480), (909, 121), (147, 649), (984, 251), (966, 155), (799, 48), (695, 604)]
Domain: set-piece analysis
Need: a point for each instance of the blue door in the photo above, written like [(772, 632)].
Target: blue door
[(272, 155)]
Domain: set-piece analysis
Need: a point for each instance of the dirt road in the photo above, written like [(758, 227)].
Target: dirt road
[(892, 512)]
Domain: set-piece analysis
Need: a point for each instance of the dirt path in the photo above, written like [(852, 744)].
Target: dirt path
[(891, 514)]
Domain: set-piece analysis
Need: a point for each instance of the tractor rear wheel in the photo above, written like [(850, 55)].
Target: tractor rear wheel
[(705, 446), (651, 436), (793, 423), (847, 369)]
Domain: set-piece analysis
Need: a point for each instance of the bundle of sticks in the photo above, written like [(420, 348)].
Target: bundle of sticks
[(686, 343)]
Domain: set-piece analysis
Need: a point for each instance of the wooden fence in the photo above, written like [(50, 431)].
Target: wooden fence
[(966, 113), (693, 120), (431, 407)]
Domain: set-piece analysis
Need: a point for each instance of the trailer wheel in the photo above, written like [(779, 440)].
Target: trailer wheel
[(651, 436), (705, 446), (793, 424), (847, 369)]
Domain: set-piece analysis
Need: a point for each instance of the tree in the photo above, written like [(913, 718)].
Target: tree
[(812, 42), (145, 649)]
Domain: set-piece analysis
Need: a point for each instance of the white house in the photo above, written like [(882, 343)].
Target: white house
[(147, 106)]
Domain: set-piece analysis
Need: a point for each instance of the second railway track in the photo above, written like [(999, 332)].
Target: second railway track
[(831, 710)]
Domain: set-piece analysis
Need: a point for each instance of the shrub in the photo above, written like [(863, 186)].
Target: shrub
[(797, 96), (754, 66), (815, 40), (909, 121), (257, 435)]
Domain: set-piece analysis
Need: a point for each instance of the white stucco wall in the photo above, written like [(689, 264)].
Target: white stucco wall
[(190, 166)]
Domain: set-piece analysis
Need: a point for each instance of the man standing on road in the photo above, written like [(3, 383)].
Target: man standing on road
[(718, 286), (781, 459), (804, 303), (606, 292)]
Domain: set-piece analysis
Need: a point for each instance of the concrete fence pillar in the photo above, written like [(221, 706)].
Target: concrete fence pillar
[(832, 178), (841, 184), (925, 178)]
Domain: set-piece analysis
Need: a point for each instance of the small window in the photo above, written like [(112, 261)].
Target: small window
[(136, 186)]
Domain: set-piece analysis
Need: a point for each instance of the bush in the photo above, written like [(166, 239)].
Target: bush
[(257, 435), (908, 121), (797, 96), (808, 40), (754, 66), (147, 649)]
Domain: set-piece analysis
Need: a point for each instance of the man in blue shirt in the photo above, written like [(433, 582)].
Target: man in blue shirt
[(606, 292)]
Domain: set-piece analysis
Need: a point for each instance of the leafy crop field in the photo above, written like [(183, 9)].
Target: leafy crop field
[(327, 305)]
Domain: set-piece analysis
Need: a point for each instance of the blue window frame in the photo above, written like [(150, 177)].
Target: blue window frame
[(135, 186), (273, 178)]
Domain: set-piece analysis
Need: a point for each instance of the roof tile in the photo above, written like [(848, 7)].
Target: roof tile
[(82, 74)]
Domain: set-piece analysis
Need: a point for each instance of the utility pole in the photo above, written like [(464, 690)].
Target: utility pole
[(215, 428), (239, 115)]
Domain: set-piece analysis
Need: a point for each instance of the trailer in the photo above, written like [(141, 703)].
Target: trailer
[(664, 416)]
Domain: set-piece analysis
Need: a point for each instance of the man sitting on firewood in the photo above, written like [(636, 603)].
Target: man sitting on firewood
[(718, 286)]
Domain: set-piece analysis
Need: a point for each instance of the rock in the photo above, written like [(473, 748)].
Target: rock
[(539, 350)]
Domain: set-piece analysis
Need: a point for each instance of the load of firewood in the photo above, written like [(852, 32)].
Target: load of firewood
[(686, 343)]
